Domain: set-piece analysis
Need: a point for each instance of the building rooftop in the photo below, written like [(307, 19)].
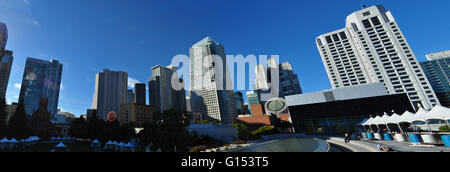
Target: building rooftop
[(205, 41), (438, 55)]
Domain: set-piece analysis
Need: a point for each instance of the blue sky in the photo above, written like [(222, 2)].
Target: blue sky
[(133, 36)]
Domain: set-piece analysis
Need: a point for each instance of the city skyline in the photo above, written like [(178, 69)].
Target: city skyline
[(302, 63)]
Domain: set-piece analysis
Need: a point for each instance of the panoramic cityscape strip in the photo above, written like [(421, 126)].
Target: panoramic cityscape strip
[(382, 100)]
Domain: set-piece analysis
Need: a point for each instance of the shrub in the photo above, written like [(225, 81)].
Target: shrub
[(198, 148), (444, 129), (239, 142), (265, 130)]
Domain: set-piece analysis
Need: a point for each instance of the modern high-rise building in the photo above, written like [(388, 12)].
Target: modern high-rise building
[(41, 79), (239, 102), (6, 60), (162, 95), (130, 96), (437, 70), (253, 98), (212, 92), (110, 92), (3, 36), (287, 81), (372, 49), (140, 94)]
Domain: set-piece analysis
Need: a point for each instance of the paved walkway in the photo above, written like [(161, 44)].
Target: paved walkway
[(353, 146), (408, 147)]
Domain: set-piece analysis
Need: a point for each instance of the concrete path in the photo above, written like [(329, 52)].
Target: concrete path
[(354, 146), (408, 147)]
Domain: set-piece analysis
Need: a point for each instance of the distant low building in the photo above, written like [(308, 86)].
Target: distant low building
[(136, 113), (257, 117), (223, 133), (337, 111)]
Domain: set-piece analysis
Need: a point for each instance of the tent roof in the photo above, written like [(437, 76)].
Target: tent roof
[(368, 121), (439, 112), (375, 121), (4, 140), (13, 140), (406, 117), (420, 115), (393, 119), (61, 145), (362, 122)]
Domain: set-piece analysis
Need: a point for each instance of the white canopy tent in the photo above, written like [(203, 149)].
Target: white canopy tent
[(393, 119), (439, 112), (61, 145), (420, 115), (405, 118)]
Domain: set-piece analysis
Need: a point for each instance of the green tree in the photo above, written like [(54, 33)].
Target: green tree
[(3, 119), (18, 122), (40, 124), (243, 131), (166, 131), (79, 128)]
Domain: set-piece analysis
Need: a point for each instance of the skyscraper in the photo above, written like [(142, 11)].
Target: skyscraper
[(6, 59), (110, 92), (372, 49), (161, 93), (437, 70), (41, 79), (212, 94), (287, 81), (130, 96), (140, 94), (239, 102), (3, 36)]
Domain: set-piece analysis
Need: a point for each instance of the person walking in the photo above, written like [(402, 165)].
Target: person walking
[(347, 137)]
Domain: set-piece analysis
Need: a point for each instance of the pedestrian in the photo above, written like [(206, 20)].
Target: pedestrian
[(347, 138)]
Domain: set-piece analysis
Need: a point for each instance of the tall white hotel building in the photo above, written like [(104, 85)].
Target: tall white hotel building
[(372, 49), (212, 94)]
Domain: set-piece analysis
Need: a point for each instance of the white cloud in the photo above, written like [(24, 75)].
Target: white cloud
[(61, 87), (17, 86), (35, 22), (132, 82)]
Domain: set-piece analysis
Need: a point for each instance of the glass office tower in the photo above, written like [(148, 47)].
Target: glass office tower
[(41, 79)]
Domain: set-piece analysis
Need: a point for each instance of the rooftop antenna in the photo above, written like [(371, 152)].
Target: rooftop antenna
[(364, 6)]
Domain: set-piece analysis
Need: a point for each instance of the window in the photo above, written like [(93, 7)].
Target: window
[(367, 13), (336, 38), (343, 36), (328, 38), (375, 21), (366, 23)]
